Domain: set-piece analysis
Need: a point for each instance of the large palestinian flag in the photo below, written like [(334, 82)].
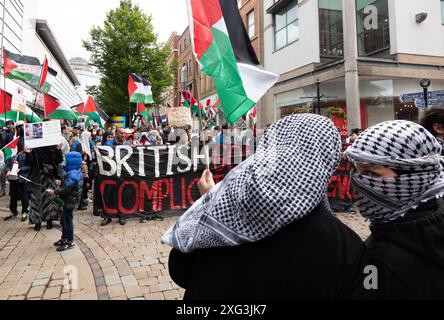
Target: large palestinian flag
[(223, 49), (45, 85), (90, 110), (139, 89), (20, 67), (56, 110)]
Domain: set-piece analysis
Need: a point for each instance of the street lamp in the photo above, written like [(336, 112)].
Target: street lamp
[(425, 84), (318, 90)]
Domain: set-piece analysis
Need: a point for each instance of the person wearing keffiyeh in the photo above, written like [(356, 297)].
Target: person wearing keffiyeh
[(399, 184), (266, 231)]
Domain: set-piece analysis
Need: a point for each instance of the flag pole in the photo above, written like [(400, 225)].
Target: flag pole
[(4, 81), (129, 114), (197, 83)]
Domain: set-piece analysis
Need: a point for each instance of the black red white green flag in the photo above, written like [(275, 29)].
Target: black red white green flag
[(143, 111), (90, 110), (20, 67), (224, 52), (6, 113), (56, 110), (10, 150), (44, 73), (190, 102), (139, 89)]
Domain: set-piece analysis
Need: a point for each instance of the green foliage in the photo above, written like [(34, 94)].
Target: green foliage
[(126, 43)]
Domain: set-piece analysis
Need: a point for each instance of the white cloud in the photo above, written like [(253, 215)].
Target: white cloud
[(71, 21)]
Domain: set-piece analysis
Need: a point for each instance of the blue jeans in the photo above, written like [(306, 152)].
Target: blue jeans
[(66, 220)]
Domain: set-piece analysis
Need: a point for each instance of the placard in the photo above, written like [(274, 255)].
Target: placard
[(38, 135), (179, 117)]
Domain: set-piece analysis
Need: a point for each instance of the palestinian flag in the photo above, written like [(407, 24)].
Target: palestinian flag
[(56, 110), (5, 102), (213, 109), (143, 111), (190, 102), (78, 109), (44, 73), (224, 52), (90, 110), (47, 84), (139, 90), (7, 114), (10, 150), (20, 67)]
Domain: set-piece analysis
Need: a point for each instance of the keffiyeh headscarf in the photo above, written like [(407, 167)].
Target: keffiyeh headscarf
[(413, 153), (283, 182)]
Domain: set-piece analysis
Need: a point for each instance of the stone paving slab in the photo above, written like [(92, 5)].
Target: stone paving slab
[(109, 263)]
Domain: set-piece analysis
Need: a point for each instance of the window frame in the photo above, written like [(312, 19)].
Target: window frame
[(287, 24), (249, 25)]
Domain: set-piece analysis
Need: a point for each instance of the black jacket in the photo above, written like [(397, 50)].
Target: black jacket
[(317, 257), (409, 254)]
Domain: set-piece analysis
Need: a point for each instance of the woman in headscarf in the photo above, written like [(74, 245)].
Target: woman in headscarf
[(399, 183), (266, 231), (45, 171)]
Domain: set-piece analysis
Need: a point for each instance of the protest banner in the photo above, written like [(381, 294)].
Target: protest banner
[(43, 134), (147, 180), (179, 117)]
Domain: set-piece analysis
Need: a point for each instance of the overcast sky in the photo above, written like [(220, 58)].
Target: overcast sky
[(71, 21)]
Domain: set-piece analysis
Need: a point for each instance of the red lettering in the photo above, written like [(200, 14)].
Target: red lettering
[(184, 200), (190, 187), (172, 205), (151, 193), (121, 199), (161, 195)]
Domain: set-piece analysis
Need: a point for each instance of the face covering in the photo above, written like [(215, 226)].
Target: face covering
[(412, 152)]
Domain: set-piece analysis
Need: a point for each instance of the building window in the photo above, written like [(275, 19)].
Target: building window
[(286, 25), (442, 12), (373, 32), (330, 28), (184, 74), (250, 24)]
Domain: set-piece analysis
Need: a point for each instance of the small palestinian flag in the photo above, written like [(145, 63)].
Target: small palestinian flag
[(10, 150), (56, 110), (6, 113), (224, 52), (190, 102), (90, 110), (143, 111), (20, 67), (139, 90), (213, 109)]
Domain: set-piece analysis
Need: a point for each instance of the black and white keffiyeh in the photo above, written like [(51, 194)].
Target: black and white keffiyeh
[(284, 181), (407, 148)]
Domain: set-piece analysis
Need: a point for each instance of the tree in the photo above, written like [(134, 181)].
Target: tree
[(126, 43)]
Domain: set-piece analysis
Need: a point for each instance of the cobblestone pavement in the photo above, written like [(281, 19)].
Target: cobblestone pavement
[(111, 263)]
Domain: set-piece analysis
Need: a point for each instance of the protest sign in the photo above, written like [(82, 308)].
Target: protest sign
[(179, 117), (18, 103), (147, 180), (43, 134)]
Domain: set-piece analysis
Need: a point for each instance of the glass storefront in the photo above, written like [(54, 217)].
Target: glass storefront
[(380, 100)]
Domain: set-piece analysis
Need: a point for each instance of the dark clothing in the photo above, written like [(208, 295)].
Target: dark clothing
[(18, 191), (317, 257), (7, 137), (66, 220), (70, 190), (409, 254), (45, 169)]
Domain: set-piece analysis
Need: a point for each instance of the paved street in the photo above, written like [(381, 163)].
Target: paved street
[(112, 262)]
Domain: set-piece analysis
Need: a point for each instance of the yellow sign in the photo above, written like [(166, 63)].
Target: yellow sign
[(120, 122)]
